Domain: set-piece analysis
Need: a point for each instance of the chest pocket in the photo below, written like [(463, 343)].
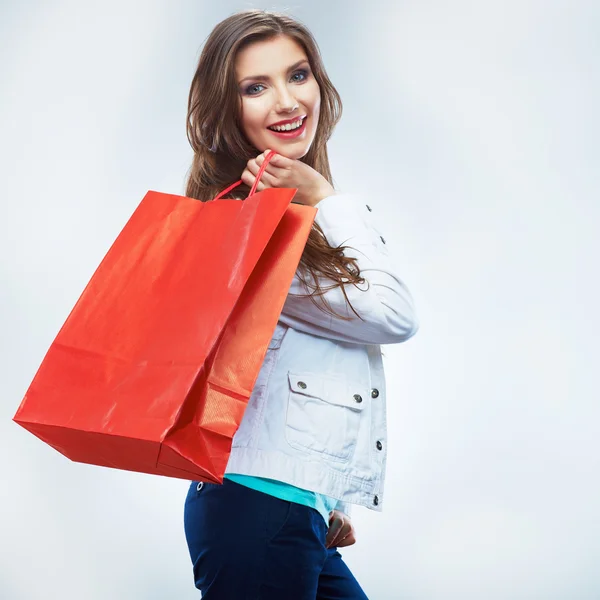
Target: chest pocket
[(323, 415)]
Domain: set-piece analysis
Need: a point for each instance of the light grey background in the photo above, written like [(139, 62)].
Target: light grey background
[(471, 128)]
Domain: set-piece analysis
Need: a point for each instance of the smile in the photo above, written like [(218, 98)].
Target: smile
[(291, 130)]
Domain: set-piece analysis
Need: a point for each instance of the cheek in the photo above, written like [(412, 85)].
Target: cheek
[(253, 117), (313, 96), (317, 107), (313, 103)]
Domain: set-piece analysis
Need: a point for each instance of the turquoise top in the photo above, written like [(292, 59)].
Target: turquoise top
[(285, 491)]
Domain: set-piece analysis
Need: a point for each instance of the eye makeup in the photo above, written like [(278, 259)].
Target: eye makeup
[(247, 89)]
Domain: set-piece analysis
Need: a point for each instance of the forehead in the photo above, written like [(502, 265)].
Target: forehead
[(268, 56)]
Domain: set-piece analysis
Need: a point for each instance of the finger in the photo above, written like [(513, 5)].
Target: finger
[(277, 161), (331, 534), (261, 157), (335, 527), (274, 176), (248, 178), (347, 541), (345, 530), (281, 162), (276, 173), (253, 166), (266, 178)]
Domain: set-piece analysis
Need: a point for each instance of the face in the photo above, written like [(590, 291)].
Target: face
[(276, 84)]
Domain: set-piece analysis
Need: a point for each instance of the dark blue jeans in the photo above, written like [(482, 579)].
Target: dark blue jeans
[(248, 545)]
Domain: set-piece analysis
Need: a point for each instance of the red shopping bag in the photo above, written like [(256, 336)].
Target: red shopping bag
[(153, 369)]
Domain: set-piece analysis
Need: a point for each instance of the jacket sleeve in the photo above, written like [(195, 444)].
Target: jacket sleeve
[(344, 507), (385, 304)]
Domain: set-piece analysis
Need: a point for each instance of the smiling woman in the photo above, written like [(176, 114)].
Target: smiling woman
[(312, 438), (261, 71), (288, 88)]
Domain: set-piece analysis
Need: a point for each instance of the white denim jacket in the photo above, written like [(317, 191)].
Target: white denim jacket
[(316, 418)]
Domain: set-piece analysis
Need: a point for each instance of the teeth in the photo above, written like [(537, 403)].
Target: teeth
[(287, 127)]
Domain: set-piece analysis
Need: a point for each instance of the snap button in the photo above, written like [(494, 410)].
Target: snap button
[(302, 385), (376, 500), (374, 393), (381, 237), (368, 208), (379, 445), (358, 398), (199, 486)]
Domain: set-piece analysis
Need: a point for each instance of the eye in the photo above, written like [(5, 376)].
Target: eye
[(250, 88), (303, 73)]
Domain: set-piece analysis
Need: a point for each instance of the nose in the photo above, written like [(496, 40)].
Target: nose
[(286, 101)]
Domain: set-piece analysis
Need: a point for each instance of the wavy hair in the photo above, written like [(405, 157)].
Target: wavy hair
[(221, 149)]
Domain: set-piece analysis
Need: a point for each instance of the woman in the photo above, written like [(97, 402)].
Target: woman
[(313, 437)]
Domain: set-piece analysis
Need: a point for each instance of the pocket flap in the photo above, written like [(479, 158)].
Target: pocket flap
[(334, 390)]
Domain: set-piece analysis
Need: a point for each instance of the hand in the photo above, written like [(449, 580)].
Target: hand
[(283, 172), (341, 531)]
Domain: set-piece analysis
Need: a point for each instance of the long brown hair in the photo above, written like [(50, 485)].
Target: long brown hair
[(221, 150)]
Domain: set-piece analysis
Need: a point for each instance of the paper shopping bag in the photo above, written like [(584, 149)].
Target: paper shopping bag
[(154, 366)]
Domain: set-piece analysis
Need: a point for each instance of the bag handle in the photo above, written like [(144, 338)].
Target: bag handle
[(268, 157)]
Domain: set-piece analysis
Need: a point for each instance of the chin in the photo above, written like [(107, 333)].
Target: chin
[(292, 153)]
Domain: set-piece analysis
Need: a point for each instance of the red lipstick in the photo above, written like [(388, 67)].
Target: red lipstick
[(293, 133)]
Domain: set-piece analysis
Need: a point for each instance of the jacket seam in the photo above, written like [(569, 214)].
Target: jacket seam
[(265, 391)]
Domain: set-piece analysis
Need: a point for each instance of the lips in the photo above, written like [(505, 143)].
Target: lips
[(292, 133), (287, 121)]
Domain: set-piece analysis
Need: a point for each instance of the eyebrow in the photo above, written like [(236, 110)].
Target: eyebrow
[(294, 66)]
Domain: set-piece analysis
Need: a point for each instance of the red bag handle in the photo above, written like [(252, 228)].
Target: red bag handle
[(268, 157)]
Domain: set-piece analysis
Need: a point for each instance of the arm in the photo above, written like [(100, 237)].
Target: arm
[(386, 307)]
